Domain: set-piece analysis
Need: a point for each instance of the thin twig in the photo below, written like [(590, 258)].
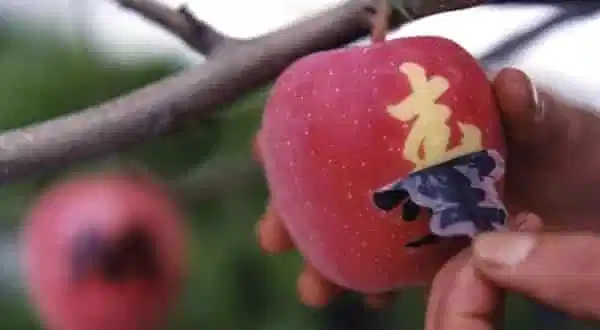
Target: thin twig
[(181, 22), (216, 179), (428, 7), (381, 21)]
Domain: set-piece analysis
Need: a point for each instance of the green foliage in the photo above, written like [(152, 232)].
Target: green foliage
[(231, 284)]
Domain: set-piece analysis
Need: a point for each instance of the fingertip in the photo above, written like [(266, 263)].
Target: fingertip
[(263, 243), (272, 235), (314, 290), (500, 251), (510, 74), (516, 98), (514, 82), (529, 222)]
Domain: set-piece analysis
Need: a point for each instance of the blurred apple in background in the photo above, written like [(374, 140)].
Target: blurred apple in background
[(104, 252)]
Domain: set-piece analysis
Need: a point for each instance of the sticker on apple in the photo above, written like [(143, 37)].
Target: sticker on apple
[(457, 185)]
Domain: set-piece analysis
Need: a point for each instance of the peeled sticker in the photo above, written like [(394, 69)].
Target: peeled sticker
[(460, 194)]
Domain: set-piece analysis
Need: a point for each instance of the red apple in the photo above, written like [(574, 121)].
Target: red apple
[(341, 124), (103, 252)]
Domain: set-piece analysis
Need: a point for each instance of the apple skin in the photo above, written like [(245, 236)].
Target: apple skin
[(327, 142), (110, 204)]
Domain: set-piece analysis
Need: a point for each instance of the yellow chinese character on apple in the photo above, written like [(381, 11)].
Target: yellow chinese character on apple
[(430, 130)]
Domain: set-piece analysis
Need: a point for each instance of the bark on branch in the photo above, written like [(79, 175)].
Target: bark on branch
[(165, 106)]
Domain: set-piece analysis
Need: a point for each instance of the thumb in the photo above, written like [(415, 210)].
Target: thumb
[(531, 117), (560, 270)]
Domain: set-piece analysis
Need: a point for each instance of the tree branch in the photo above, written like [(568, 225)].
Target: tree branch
[(428, 7), (181, 22), (165, 106), (216, 179)]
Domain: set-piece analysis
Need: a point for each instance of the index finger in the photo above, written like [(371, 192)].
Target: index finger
[(460, 299)]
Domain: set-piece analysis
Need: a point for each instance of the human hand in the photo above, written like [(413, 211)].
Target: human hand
[(561, 270), (553, 162), (552, 169), (313, 288)]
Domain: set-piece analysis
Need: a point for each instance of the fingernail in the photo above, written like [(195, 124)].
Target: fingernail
[(503, 249)]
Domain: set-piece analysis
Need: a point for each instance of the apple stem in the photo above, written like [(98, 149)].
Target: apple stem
[(380, 23)]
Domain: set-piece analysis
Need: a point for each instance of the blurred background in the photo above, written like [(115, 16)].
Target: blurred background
[(57, 56)]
